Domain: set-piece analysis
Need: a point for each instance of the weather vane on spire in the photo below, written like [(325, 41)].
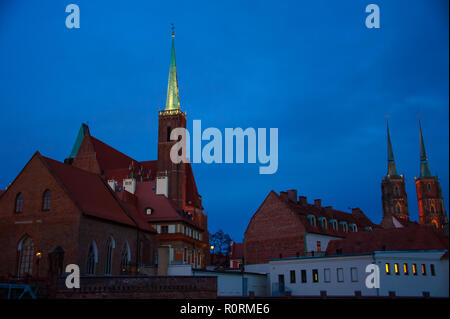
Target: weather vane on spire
[(173, 30)]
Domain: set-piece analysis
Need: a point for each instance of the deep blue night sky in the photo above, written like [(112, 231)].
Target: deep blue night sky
[(312, 69)]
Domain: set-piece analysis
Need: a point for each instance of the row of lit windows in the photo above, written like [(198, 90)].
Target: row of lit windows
[(46, 196), (326, 275), (414, 269), (334, 224)]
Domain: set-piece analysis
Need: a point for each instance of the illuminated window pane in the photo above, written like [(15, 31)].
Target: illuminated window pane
[(397, 270), (424, 270), (405, 269), (414, 267), (315, 275), (388, 269)]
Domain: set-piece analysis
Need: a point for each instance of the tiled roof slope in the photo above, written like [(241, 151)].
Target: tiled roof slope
[(414, 237), (92, 195)]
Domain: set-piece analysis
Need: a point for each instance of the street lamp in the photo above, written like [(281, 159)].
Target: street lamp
[(38, 256)]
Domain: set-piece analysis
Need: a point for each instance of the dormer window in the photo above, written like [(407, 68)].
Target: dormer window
[(148, 211), (312, 220), (323, 222), (353, 227), (368, 228), (344, 227), (334, 224)]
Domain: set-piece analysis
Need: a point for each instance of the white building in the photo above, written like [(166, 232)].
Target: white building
[(402, 273)]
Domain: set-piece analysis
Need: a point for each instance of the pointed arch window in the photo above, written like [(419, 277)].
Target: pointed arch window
[(110, 245), (169, 130), (92, 259), (46, 200), (125, 258), (18, 207), (26, 254), (396, 191)]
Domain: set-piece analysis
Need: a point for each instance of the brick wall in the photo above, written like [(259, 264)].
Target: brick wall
[(48, 229), (273, 230), (141, 287)]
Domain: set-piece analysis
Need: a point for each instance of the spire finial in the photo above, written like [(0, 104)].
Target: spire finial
[(173, 100), (424, 168), (392, 169)]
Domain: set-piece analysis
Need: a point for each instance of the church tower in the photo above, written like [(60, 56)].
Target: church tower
[(393, 191), (171, 177), (429, 194)]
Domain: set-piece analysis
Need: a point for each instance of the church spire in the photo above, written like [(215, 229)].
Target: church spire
[(424, 168), (173, 100), (392, 169)]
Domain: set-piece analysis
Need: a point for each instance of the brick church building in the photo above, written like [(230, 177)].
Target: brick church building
[(103, 210)]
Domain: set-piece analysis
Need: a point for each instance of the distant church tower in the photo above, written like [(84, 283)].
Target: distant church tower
[(429, 194), (393, 192), (171, 178)]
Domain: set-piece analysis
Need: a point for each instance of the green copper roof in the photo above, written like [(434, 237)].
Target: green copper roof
[(173, 100), (392, 169), (424, 168), (78, 141)]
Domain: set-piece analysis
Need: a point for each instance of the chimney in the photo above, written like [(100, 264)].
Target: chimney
[(284, 196), (302, 200), (292, 195), (318, 202), (162, 184)]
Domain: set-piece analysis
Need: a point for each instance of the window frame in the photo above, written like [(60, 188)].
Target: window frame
[(46, 200), (18, 203)]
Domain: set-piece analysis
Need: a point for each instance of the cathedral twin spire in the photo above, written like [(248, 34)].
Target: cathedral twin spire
[(424, 167)]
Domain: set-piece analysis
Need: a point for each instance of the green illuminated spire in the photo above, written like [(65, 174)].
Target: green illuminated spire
[(424, 168), (392, 170), (76, 146), (173, 100)]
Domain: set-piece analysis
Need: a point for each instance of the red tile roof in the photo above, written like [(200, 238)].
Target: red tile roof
[(237, 251), (394, 239), (109, 158), (304, 210), (92, 195), (162, 208)]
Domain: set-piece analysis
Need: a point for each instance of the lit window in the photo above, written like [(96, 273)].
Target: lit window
[(396, 269), (19, 203), (319, 246), (433, 271), (388, 269), (46, 200), (405, 269), (292, 276), (414, 268), (148, 211), (315, 273), (424, 270)]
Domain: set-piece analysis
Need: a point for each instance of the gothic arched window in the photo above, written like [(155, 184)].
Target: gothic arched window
[(109, 252), (169, 130), (92, 259), (125, 258), (46, 200), (18, 207), (396, 191), (26, 254)]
